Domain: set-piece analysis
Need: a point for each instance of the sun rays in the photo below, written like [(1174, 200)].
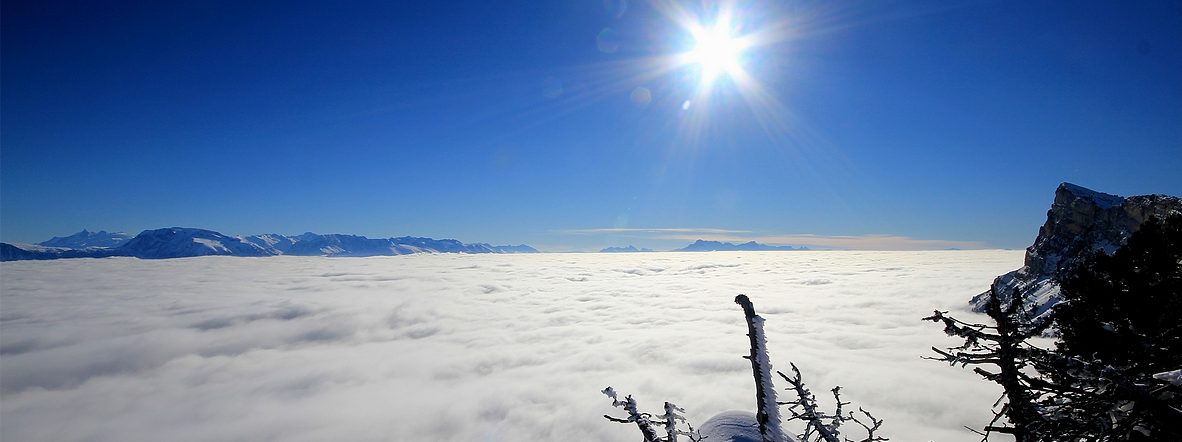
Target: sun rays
[(719, 48), (716, 51), (688, 67)]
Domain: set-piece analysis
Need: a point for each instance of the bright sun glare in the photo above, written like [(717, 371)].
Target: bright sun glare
[(716, 51), (725, 43)]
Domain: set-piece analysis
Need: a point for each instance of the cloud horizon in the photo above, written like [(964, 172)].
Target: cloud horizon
[(884, 242)]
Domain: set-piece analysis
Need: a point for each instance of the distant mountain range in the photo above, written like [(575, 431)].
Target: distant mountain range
[(87, 239), (749, 246), (628, 249), (180, 242), (711, 246)]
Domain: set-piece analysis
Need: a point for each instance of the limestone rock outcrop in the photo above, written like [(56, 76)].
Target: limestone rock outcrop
[(1079, 223)]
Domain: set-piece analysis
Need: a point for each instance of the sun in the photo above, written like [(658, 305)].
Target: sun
[(718, 54), (716, 51)]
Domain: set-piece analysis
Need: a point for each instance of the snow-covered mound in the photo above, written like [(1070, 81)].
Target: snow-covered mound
[(87, 239), (1080, 222), (178, 242), (733, 426)]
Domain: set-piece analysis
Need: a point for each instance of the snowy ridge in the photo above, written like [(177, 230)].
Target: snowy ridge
[(275, 243), (179, 242), (1100, 199), (718, 246), (1041, 292), (627, 249), (20, 252), (87, 239), (520, 248)]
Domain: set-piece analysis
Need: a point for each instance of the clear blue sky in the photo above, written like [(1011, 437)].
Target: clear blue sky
[(522, 121)]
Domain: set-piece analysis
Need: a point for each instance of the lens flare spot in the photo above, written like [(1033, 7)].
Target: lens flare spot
[(616, 8), (608, 41), (641, 96)]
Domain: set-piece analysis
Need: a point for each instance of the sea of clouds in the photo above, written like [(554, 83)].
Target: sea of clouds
[(471, 347)]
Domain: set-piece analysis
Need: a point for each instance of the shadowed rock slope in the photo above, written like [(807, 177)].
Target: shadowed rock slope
[(1080, 222)]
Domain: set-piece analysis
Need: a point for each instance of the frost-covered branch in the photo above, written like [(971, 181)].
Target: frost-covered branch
[(671, 417), (807, 403), (647, 423), (1005, 348), (1049, 395), (874, 425), (634, 415), (820, 426), (767, 414)]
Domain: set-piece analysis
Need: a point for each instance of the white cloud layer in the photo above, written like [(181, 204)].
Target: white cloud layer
[(469, 347)]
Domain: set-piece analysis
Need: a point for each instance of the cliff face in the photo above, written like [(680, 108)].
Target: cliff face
[(1079, 223)]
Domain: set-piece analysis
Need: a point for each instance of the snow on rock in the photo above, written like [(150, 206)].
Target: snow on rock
[(23, 252), (733, 426), (1100, 199), (172, 242), (520, 248), (1173, 377), (1080, 222), (311, 244), (275, 243), (177, 242)]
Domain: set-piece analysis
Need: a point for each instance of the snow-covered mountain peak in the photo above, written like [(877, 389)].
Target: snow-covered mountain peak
[(1067, 191), (718, 246), (1080, 222), (626, 249), (87, 239), (177, 242)]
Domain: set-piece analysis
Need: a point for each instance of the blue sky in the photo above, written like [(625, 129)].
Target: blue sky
[(926, 124)]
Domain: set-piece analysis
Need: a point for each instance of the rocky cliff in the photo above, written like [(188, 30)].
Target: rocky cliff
[(1079, 223)]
